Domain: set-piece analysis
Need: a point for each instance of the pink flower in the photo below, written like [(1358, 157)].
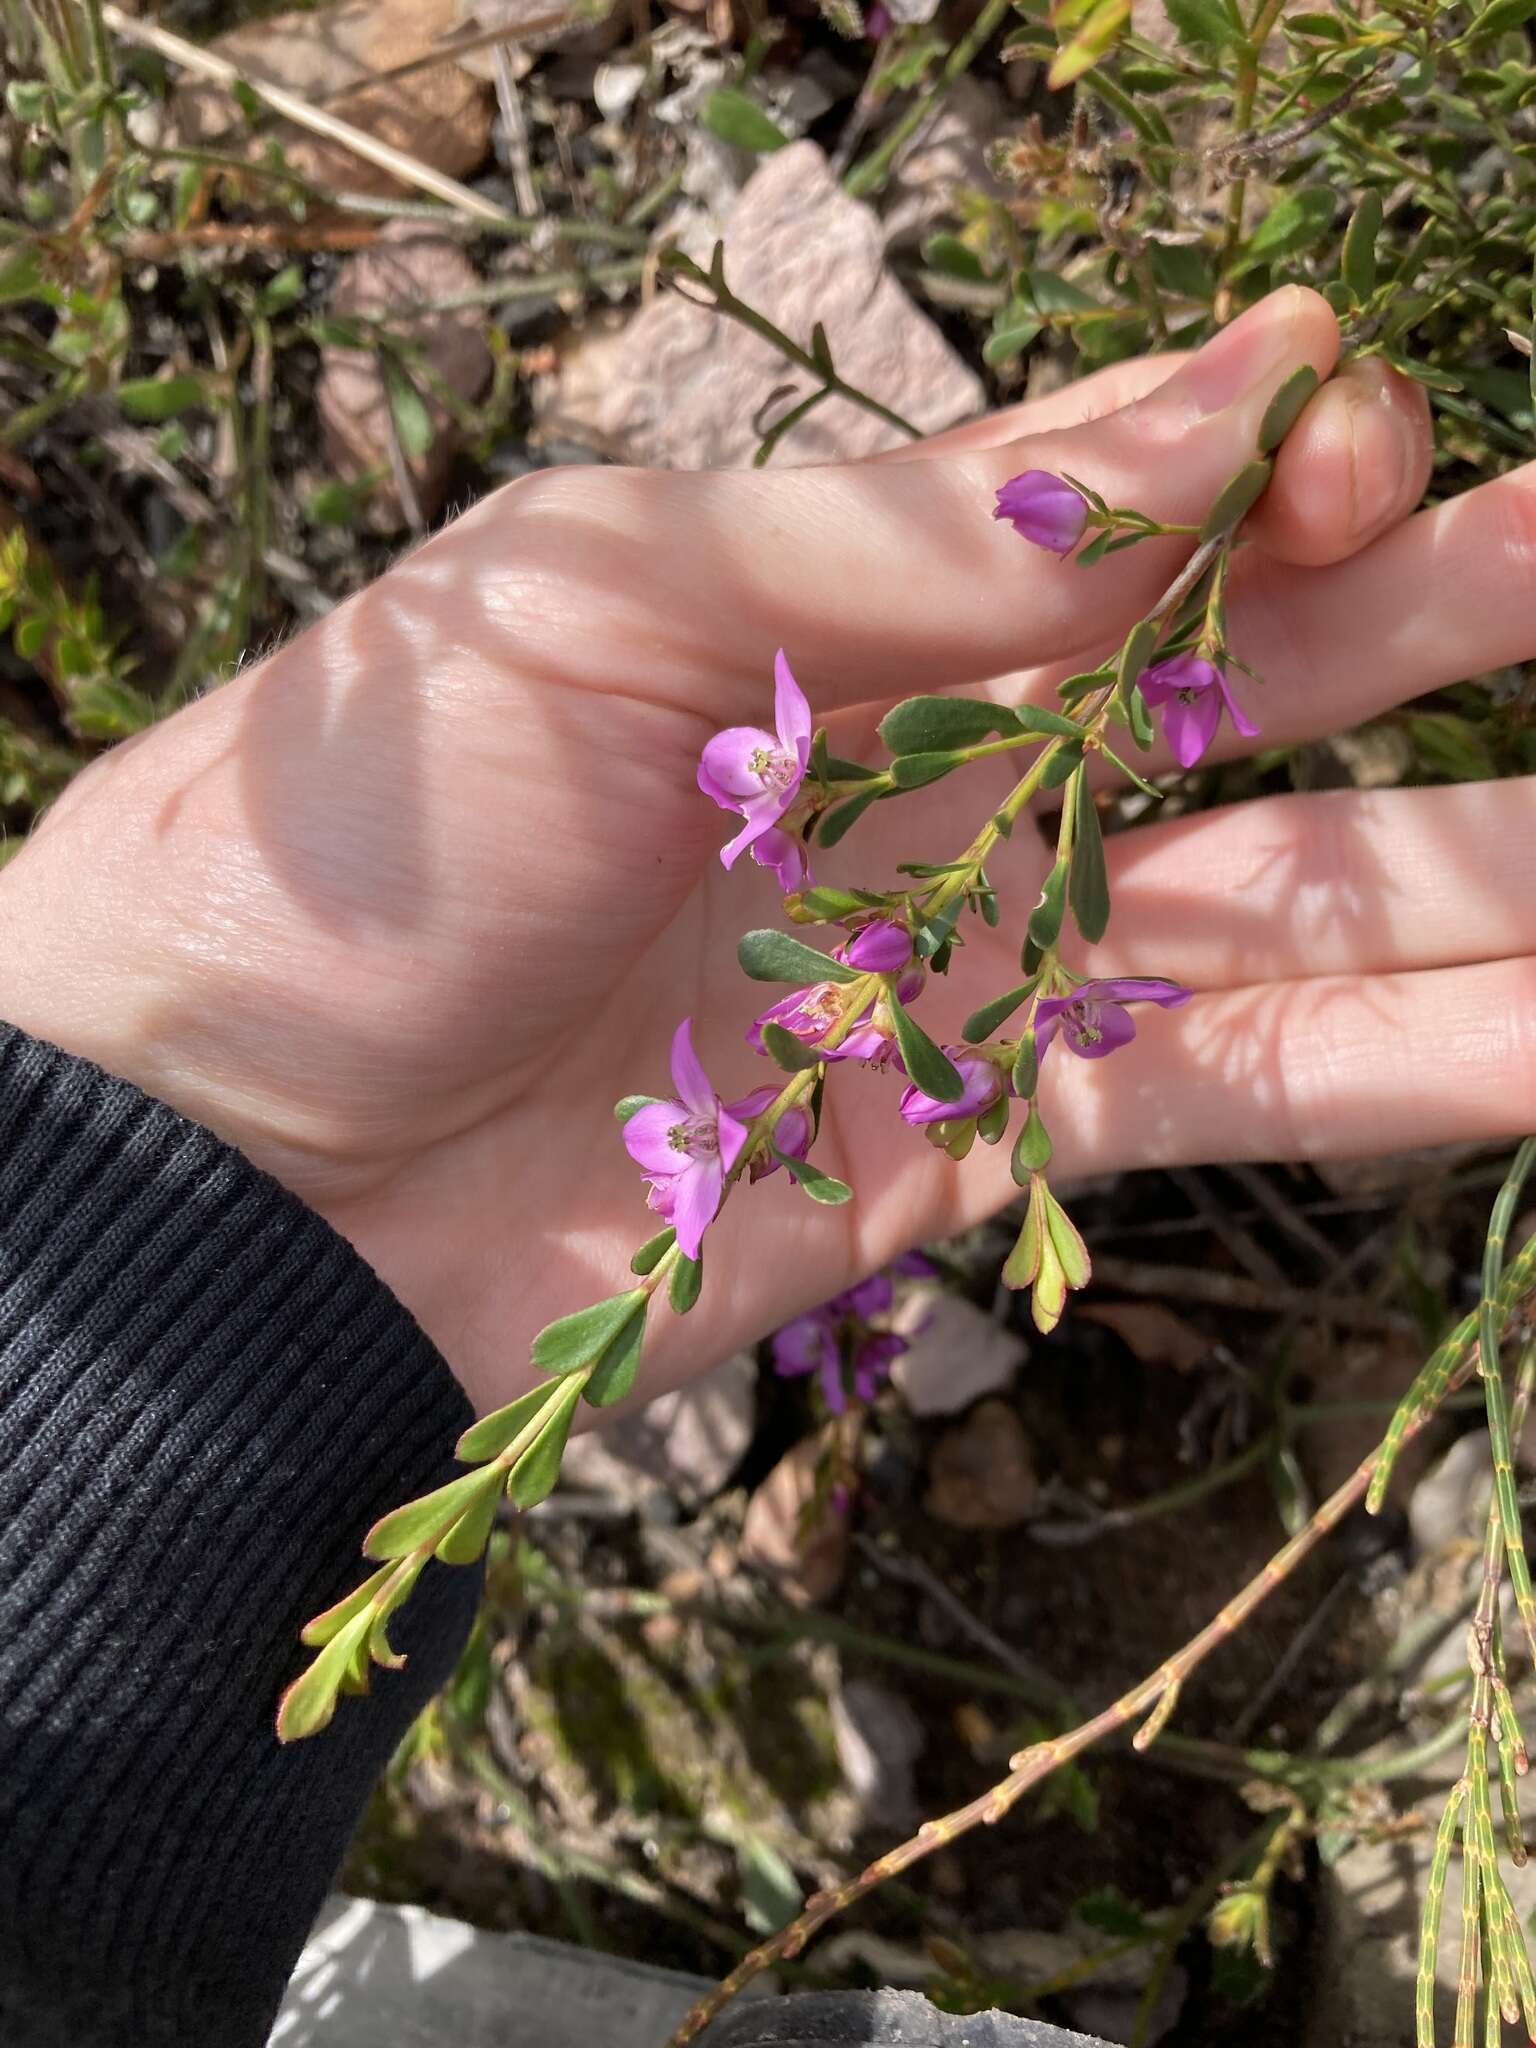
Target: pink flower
[(1093, 1020), (759, 774), (1190, 692), (984, 1085), (792, 1133), (880, 947), (686, 1147), (1043, 509), (813, 1343), (810, 1013)]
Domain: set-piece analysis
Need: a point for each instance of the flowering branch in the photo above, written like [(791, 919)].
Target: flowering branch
[(695, 1147)]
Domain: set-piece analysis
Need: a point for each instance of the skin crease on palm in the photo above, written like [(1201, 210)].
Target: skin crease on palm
[(403, 910)]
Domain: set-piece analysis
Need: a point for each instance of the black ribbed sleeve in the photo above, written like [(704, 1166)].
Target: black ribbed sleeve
[(205, 1398)]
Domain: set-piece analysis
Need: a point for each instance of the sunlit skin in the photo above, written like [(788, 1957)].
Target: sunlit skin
[(403, 910)]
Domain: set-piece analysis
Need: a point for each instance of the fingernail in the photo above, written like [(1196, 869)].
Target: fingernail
[(1252, 351), (1379, 447)]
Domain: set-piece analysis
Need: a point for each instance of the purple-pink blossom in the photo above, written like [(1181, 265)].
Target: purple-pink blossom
[(1190, 693), (983, 1085), (1044, 509), (818, 1341), (810, 1013), (1093, 1019), (880, 947), (685, 1147), (791, 1134), (759, 774)]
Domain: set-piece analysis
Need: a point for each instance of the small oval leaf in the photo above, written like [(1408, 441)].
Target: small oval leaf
[(581, 1339), (929, 1068), (775, 956)]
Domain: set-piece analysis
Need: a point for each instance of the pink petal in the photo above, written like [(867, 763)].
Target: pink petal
[(733, 1135), (1241, 722), (725, 772), (696, 1202), (648, 1140), (1116, 1027), (762, 814), (1130, 988), (785, 854), (791, 712), (688, 1075), (1190, 727)]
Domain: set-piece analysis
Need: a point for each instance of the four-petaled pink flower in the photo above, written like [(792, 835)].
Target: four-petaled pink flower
[(815, 1342), (1190, 692), (1093, 1019), (810, 1013), (984, 1085), (687, 1146), (759, 774), (1043, 509)]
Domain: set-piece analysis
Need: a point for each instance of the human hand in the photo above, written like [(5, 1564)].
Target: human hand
[(403, 910)]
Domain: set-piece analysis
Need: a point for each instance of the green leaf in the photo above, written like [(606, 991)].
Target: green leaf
[(308, 1704), (1032, 1148), (21, 274), (992, 1122), (1026, 1066), (1451, 746), (1357, 259), (774, 956), (282, 291), (912, 771), (821, 1187), (1129, 772), (325, 1626), (788, 1052), (1045, 918), (581, 1339), (1294, 222), (534, 1476), (110, 710), (1203, 24), (467, 1539), (491, 1435), (741, 122), (983, 1022), (615, 1371), (1284, 409), (1501, 16), (837, 823), (1089, 888), (1135, 654), (1062, 765), (948, 255), (651, 1253), (27, 98), (1023, 1262), (631, 1105), (929, 1068), (1076, 1266), (829, 903), (408, 409), (399, 1532), (1143, 732), (159, 398), (925, 725), (687, 1284), (1036, 718), (1237, 497)]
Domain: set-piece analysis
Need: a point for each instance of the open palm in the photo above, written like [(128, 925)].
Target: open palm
[(402, 911)]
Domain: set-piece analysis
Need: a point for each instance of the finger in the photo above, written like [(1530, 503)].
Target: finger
[(1446, 595), (1365, 882), (1355, 463), (876, 578), (1074, 405)]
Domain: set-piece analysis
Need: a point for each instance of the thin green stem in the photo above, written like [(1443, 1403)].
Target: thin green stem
[(868, 176)]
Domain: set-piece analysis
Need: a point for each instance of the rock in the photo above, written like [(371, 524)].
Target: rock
[(371, 1973), (1154, 1332), (802, 1546), (958, 1353), (685, 1444), (406, 265), (441, 115), (680, 386), (982, 1475), (1450, 1503), (879, 1739), (946, 155)]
